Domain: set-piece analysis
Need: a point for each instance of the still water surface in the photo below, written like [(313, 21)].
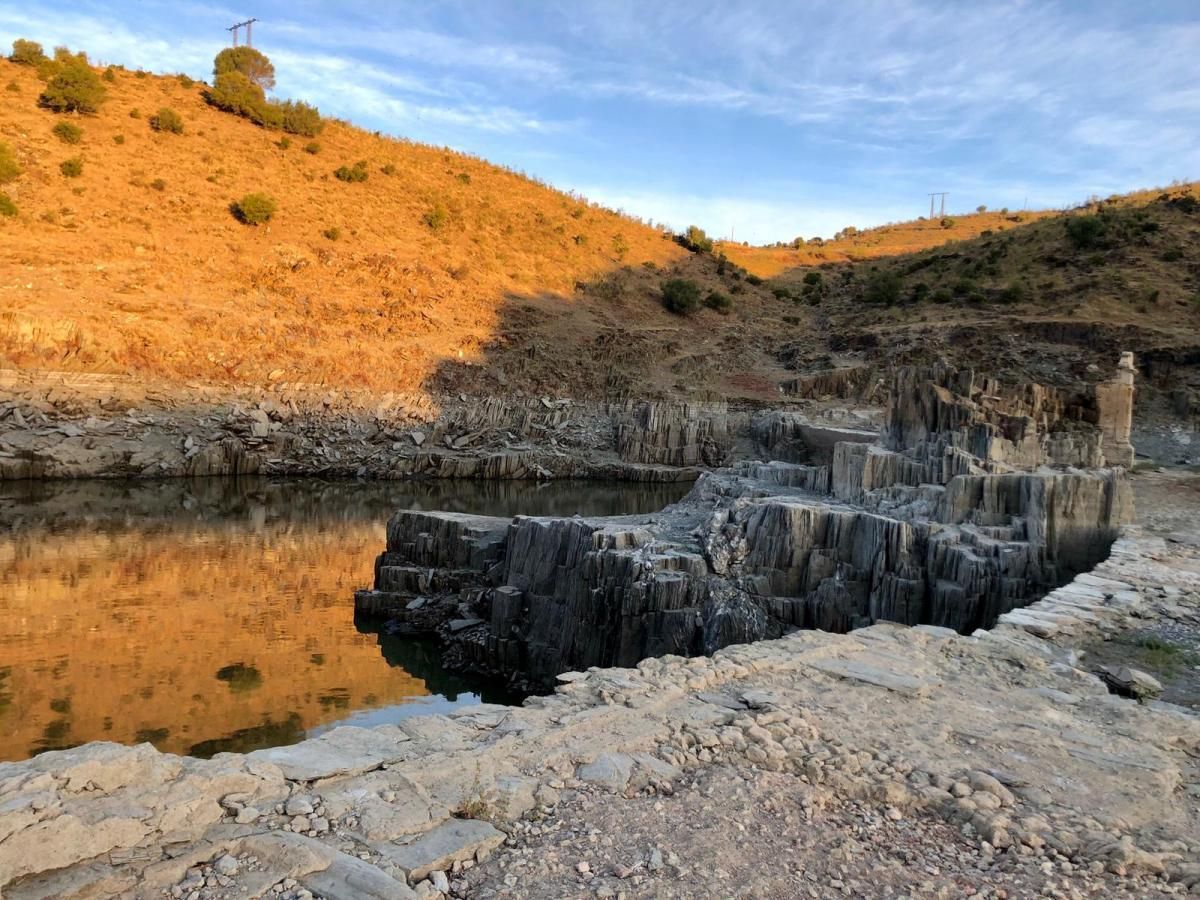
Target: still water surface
[(217, 614)]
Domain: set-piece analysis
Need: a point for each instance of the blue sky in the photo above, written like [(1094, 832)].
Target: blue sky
[(773, 119)]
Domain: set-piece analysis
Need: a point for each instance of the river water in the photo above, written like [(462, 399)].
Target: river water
[(217, 614)]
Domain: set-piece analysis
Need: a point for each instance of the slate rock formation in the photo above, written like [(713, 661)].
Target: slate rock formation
[(972, 503)]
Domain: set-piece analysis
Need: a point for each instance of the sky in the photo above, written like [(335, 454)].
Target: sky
[(761, 120)]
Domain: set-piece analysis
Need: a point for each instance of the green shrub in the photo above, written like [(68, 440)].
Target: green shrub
[(354, 173), (947, 222), (254, 209), (813, 278), (252, 65), (186, 80), (722, 303), (13, 87), (109, 75), (942, 295), (166, 119), (158, 184), (1187, 203), (388, 169), (920, 292), (68, 133), (681, 296), (283, 143), (118, 139), (1172, 254), (696, 240), (437, 217), (312, 147), (981, 208), (332, 233), (1085, 232), (464, 177), (753, 279), (75, 88), (781, 293), (297, 117), (72, 168), (883, 288), (235, 93), (797, 243), (140, 74), (7, 207), (135, 113), (27, 53)]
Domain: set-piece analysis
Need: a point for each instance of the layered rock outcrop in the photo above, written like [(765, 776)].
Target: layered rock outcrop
[(970, 505)]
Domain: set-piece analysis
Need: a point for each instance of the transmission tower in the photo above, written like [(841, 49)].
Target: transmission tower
[(247, 25), (941, 194)]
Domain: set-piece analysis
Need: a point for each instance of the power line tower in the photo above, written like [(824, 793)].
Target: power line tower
[(247, 25), (941, 194)]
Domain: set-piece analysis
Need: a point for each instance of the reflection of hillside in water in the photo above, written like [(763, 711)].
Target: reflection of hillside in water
[(216, 615)]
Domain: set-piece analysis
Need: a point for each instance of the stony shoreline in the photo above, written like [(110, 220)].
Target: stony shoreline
[(1001, 735)]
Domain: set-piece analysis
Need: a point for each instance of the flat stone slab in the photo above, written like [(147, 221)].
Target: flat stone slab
[(343, 751), (609, 770), (900, 682), (436, 851), (348, 878)]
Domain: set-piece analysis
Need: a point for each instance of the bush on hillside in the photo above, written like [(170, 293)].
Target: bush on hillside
[(254, 209), (437, 217), (68, 133), (1085, 232), (135, 113), (681, 296), (696, 240), (247, 62), (753, 279), (883, 288), (13, 86), (312, 147), (388, 169), (235, 93), (354, 173), (74, 88), (186, 80), (947, 222), (166, 119), (27, 53), (118, 139), (72, 168), (7, 207), (722, 303), (297, 117), (158, 184), (109, 74), (332, 233)]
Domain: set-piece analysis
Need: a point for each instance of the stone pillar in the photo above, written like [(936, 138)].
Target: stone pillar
[(1114, 403)]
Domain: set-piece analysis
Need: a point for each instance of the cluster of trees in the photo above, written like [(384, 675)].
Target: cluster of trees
[(241, 78), (71, 85)]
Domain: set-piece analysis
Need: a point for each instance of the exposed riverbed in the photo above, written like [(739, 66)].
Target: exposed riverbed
[(215, 614)]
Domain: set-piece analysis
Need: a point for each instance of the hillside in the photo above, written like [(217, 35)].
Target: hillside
[(138, 266), (1051, 301), (872, 243), (441, 273)]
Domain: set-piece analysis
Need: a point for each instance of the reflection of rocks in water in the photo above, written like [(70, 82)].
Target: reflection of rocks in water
[(203, 608), (421, 657), (240, 677), (268, 734)]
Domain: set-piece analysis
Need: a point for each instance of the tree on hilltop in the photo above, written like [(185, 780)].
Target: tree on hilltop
[(250, 62)]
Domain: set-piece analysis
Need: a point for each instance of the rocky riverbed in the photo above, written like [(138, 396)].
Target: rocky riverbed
[(890, 761)]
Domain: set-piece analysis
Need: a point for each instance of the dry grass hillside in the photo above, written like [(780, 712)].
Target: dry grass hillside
[(872, 243), (137, 264), (442, 273)]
